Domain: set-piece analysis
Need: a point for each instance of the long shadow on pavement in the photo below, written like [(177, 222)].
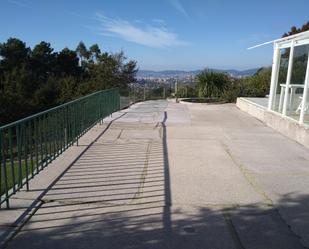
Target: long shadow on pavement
[(118, 195)]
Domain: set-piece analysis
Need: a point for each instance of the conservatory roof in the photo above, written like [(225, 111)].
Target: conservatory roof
[(285, 42)]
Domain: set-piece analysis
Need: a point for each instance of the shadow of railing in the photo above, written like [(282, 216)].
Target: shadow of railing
[(107, 200), (118, 188)]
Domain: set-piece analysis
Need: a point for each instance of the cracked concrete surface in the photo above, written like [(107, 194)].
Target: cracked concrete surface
[(167, 175)]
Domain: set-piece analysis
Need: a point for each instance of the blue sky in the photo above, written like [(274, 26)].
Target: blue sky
[(159, 34)]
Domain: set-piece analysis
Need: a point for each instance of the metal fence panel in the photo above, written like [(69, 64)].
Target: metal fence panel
[(28, 145)]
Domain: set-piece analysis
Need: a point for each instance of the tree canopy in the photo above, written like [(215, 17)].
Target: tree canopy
[(34, 79), (294, 30)]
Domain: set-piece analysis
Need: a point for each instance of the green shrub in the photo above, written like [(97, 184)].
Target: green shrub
[(255, 86), (211, 84)]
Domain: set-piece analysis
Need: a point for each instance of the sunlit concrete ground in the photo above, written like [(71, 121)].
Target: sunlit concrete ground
[(167, 175)]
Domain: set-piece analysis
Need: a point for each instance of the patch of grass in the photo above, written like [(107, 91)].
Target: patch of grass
[(10, 171), (48, 154)]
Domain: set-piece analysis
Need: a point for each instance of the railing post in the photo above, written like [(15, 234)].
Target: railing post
[(25, 133), (11, 159), (3, 169), (31, 147), (36, 144), (18, 137), (118, 100)]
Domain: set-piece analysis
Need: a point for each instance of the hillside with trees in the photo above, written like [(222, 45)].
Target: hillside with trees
[(38, 78)]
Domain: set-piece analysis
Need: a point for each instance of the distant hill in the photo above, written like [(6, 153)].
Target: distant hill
[(181, 74)]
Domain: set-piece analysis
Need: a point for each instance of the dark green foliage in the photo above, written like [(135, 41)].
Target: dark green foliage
[(13, 53), (254, 86), (32, 80), (219, 85), (295, 30), (211, 84)]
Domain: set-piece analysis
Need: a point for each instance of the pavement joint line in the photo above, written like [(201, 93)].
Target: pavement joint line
[(119, 135), (105, 206), (249, 177), (26, 199), (251, 180), (77, 202), (289, 227), (140, 188), (232, 230)]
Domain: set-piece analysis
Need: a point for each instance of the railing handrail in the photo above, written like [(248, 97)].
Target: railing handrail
[(30, 144), (9, 125)]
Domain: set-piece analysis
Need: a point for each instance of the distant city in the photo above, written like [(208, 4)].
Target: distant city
[(168, 77)]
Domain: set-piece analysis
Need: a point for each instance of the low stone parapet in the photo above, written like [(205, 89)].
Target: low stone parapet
[(284, 125)]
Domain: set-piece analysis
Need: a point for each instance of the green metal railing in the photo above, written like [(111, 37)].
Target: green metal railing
[(28, 145)]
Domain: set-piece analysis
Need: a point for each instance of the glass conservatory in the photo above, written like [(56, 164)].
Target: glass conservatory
[(290, 77)]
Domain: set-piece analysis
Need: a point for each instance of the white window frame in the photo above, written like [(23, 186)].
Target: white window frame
[(288, 42)]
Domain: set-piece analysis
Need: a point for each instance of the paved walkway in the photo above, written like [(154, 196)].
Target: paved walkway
[(167, 175)]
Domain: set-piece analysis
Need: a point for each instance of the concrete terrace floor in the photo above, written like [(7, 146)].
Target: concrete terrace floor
[(167, 175)]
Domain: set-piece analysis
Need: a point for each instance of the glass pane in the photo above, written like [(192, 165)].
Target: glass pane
[(296, 88), (279, 90)]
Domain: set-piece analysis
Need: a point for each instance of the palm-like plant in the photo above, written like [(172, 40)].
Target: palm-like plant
[(211, 84)]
